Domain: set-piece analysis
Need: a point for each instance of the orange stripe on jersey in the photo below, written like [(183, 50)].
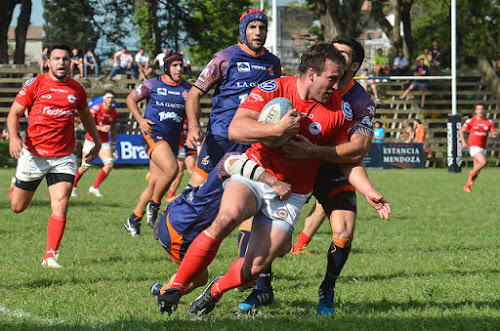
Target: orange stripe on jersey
[(152, 144), (344, 91), (200, 172), (341, 189)]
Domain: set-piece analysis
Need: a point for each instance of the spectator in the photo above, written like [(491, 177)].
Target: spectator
[(187, 64), (142, 60), (122, 61), (426, 56), (407, 134), (159, 58), (380, 64), (5, 134), (435, 52), (400, 64), (90, 61), (421, 70), (368, 81), (76, 63), (378, 133), (420, 135), (44, 61)]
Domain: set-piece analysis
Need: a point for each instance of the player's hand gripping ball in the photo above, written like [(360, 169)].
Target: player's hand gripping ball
[(273, 112)]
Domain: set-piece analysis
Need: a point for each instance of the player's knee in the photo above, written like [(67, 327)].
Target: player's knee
[(18, 207), (284, 249)]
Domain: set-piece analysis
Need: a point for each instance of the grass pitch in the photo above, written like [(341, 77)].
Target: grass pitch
[(434, 266)]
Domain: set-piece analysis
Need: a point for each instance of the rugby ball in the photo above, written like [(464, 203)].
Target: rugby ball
[(272, 112)]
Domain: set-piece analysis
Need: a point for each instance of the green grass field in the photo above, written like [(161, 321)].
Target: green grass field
[(434, 266)]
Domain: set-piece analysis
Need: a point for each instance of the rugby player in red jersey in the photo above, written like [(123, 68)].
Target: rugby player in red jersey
[(320, 118), (479, 127), (51, 101), (106, 118)]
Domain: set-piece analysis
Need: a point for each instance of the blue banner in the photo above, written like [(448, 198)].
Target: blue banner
[(129, 150), (395, 156)]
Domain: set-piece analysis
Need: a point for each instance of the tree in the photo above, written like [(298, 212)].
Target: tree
[(6, 11), (23, 22), (338, 17), (70, 22)]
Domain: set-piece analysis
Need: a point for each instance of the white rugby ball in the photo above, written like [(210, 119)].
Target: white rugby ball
[(272, 112)]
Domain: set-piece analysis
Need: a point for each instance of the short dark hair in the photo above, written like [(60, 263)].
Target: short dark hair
[(59, 46), (358, 52), (417, 120), (109, 91), (479, 104), (315, 57)]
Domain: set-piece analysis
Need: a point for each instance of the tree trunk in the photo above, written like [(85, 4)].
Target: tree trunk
[(23, 22), (6, 11), (339, 18), (156, 29)]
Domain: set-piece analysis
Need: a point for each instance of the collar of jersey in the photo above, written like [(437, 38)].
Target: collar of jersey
[(344, 91), (247, 49), (169, 83)]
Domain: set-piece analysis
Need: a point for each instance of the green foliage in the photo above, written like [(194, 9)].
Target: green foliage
[(70, 22), (432, 267), (212, 26), (5, 159), (142, 20), (478, 28)]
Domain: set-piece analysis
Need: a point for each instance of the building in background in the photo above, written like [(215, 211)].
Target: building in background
[(34, 44)]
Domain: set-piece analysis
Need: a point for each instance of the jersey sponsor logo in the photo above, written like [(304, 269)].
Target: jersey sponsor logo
[(243, 66), (138, 90), (58, 90), (29, 81), (315, 128), (255, 97), (269, 86), (367, 121), (70, 165), (57, 112), (184, 94), (71, 98), (22, 92), (371, 109), (347, 110), (169, 105), (174, 92), (246, 84), (205, 160), (46, 96), (161, 91), (259, 67), (282, 213), (271, 71), (170, 115)]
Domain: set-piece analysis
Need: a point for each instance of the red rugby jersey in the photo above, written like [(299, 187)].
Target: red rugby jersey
[(103, 116), (51, 109), (479, 129), (321, 124)]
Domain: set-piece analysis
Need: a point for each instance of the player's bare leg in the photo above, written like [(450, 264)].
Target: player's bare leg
[(259, 256), (176, 182), (311, 225), (106, 155), (196, 179), (343, 223), (237, 204), (479, 163), (20, 199)]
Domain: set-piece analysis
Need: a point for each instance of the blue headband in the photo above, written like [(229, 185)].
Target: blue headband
[(247, 17)]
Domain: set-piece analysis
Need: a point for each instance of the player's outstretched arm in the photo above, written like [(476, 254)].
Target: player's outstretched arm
[(352, 151), (246, 129), (15, 142), (193, 114), (357, 176), (90, 126)]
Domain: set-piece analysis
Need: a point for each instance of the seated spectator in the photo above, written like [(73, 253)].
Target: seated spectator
[(76, 63), (421, 70), (44, 61), (436, 53), (400, 64), (159, 59), (123, 61), (89, 61), (142, 60), (380, 64), (378, 133), (187, 64), (427, 56), (368, 81)]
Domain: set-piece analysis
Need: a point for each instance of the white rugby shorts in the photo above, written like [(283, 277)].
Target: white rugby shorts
[(31, 167), (88, 145), (473, 150), (274, 212)]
